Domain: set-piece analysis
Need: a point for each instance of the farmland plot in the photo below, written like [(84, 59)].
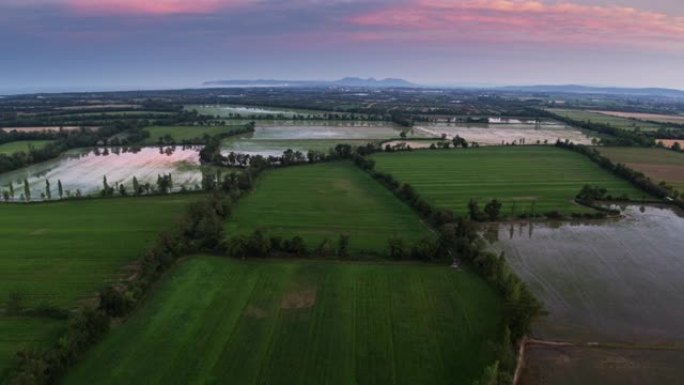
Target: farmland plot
[(323, 201), (275, 137), (84, 170), (506, 133), (526, 179), (612, 290), (658, 164), (216, 320), (618, 281)]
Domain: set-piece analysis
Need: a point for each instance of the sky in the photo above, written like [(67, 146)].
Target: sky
[(145, 44)]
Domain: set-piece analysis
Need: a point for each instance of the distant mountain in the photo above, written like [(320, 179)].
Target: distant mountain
[(345, 82), (576, 89)]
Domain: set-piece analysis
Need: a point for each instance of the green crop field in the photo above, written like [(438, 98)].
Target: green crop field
[(181, 133), (539, 178), (22, 145), (323, 201), (657, 163), (58, 253), (597, 117), (216, 320)]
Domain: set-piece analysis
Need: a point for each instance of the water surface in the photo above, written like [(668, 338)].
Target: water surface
[(620, 280)]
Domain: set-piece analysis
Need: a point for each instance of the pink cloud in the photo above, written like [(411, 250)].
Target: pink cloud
[(149, 7), (527, 21)]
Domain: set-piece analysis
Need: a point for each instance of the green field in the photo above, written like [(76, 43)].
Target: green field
[(61, 252), (657, 163), (224, 321), (597, 117), (539, 178), (181, 133), (22, 145), (323, 201), (57, 252)]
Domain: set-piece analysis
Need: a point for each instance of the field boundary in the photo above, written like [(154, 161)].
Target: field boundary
[(636, 178), (463, 244)]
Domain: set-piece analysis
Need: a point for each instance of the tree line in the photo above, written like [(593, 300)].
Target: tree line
[(660, 190)]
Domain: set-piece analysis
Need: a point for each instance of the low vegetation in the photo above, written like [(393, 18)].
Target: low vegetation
[(303, 322), (322, 202), (527, 181)]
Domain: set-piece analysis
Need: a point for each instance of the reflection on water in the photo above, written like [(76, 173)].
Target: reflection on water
[(618, 280), (272, 138), (84, 170), (506, 133)]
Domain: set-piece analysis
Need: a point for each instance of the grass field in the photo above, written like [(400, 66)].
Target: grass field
[(59, 253), (56, 253), (656, 163), (539, 178), (22, 145), (323, 201), (224, 321), (597, 117), (181, 133)]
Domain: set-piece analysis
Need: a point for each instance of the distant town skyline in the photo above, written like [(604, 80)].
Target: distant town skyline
[(132, 44)]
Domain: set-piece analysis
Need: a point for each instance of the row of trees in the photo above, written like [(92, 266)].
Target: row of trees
[(660, 190), (10, 193)]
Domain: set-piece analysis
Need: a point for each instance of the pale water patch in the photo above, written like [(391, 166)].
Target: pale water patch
[(503, 133), (272, 138), (84, 170)]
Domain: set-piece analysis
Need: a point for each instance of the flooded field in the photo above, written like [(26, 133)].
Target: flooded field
[(613, 292), (248, 111), (84, 170), (613, 281), (272, 138), (502, 132)]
